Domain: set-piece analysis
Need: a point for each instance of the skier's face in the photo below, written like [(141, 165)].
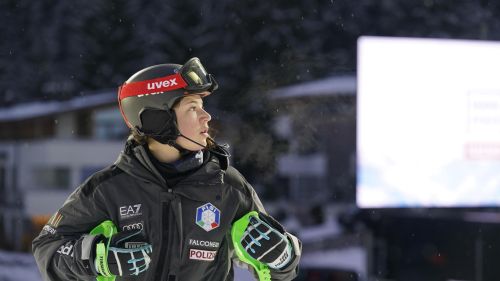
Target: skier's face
[(192, 120)]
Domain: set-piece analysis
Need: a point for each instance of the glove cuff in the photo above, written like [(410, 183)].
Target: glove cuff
[(85, 252), (101, 258), (272, 222), (283, 259)]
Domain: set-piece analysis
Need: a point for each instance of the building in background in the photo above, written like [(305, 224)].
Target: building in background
[(318, 119), (46, 150), (317, 173)]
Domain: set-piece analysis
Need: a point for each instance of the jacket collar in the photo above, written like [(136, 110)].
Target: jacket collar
[(134, 160)]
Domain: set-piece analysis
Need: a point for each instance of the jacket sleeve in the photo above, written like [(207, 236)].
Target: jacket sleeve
[(251, 202), (62, 249)]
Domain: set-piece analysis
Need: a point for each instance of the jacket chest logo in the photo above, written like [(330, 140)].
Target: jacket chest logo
[(129, 211), (208, 217)]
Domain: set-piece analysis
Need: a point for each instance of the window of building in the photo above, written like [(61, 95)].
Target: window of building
[(309, 189), (109, 124), (51, 177)]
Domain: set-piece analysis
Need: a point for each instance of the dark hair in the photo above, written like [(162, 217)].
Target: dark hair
[(138, 138)]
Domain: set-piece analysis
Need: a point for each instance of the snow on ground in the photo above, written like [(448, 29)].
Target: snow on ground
[(352, 259), (22, 267), (18, 267)]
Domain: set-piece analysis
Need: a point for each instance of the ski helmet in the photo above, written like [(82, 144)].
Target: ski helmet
[(147, 97)]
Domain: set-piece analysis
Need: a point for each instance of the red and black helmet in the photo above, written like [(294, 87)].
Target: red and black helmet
[(147, 96)]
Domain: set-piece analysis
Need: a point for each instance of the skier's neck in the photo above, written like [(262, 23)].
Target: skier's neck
[(163, 152)]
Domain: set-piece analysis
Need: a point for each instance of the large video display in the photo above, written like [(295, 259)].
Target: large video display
[(428, 123)]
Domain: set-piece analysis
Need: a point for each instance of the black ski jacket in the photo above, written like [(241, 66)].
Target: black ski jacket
[(134, 195)]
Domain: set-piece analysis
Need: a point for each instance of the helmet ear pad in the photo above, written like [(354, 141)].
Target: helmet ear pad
[(160, 124)]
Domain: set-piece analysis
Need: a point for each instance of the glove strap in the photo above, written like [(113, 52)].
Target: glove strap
[(101, 259), (284, 258)]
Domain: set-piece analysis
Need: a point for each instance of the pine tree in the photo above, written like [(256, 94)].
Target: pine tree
[(110, 52)]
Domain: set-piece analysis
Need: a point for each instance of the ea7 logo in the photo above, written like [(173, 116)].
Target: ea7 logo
[(130, 211)]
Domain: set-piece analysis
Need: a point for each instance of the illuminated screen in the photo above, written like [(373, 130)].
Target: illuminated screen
[(428, 131)]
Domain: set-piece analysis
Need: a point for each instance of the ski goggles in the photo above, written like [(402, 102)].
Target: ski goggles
[(196, 77), (191, 77)]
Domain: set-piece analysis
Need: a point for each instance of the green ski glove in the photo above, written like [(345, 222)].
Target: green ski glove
[(264, 239), (121, 254), (259, 241), (237, 232)]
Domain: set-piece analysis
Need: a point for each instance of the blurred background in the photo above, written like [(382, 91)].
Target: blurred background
[(289, 107)]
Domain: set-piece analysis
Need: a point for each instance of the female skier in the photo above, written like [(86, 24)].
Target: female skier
[(171, 195)]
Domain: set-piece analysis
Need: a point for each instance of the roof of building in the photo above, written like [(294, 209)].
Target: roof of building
[(46, 108), (332, 86)]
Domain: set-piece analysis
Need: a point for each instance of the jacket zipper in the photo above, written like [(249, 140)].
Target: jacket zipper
[(165, 235)]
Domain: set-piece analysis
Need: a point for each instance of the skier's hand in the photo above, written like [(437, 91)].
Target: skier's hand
[(265, 240), (126, 253)]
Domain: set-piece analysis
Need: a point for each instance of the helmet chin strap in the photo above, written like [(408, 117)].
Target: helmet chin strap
[(171, 141), (175, 145), (223, 152)]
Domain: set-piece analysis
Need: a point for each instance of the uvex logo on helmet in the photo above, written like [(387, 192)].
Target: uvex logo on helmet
[(151, 87), (162, 84)]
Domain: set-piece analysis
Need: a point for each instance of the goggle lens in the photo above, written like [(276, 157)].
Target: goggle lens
[(196, 77)]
